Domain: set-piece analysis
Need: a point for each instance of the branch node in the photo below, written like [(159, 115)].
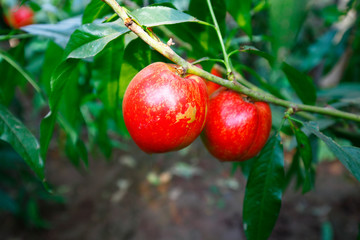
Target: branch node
[(128, 22), (170, 42), (181, 70)]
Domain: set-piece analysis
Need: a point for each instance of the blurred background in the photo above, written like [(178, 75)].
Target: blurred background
[(106, 188)]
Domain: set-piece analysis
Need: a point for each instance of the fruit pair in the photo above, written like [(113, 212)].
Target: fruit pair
[(165, 112)]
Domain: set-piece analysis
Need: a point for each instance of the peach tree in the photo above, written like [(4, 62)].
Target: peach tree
[(266, 50)]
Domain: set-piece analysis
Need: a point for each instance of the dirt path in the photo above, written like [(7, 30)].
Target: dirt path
[(186, 195)]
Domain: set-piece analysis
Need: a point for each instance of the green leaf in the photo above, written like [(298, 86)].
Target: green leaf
[(18, 68), (94, 10), (59, 79), (59, 32), (206, 36), (22, 140), (10, 77), (300, 82), (303, 146), (348, 156), (241, 12), (159, 15), (286, 18), (264, 191), (46, 131), (70, 118), (75, 147), (305, 171), (90, 39), (294, 170), (51, 61), (106, 73)]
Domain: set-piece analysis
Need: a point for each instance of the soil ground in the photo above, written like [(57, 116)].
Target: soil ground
[(183, 195)]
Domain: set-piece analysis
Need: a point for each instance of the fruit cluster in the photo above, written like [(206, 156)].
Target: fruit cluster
[(164, 111)]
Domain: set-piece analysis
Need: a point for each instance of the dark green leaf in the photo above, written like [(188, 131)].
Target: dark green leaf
[(349, 156), (241, 12), (301, 82), (264, 191), (94, 10), (62, 74), (22, 140)]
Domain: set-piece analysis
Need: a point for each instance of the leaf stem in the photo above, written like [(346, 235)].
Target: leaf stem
[(166, 51), (218, 32)]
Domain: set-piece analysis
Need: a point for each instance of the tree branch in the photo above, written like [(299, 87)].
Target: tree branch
[(166, 51)]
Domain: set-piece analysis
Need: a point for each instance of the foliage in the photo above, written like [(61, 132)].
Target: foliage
[(78, 58)]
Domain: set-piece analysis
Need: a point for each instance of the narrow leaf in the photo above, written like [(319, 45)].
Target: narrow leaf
[(300, 82), (303, 146), (59, 79), (18, 68), (106, 72), (348, 156), (51, 61), (46, 131), (264, 191), (74, 145), (22, 140)]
